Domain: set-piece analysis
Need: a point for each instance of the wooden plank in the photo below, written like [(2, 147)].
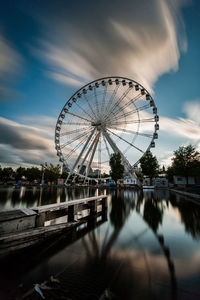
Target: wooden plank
[(12, 214), (16, 225), (62, 205), (35, 232)]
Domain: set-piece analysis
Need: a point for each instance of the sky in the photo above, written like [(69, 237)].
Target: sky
[(49, 49)]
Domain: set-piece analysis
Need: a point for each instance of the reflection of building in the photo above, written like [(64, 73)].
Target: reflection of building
[(182, 180)]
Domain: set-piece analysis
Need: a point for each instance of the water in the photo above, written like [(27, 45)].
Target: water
[(148, 247)]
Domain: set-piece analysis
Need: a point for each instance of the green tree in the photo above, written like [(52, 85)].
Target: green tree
[(186, 162), (64, 175), (149, 165), (19, 173), (7, 174), (33, 173), (117, 168), (52, 172)]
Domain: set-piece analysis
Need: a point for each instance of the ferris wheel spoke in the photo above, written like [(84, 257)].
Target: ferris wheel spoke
[(134, 121), (132, 131), (96, 100), (85, 111), (107, 149), (125, 141), (121, 109), (76, 124), (111, 98), (89, 105), (77, 116), (73, 131), (132, 112), (103, 100), (74, 139), (75, 148), (146, 106), (112, 108)]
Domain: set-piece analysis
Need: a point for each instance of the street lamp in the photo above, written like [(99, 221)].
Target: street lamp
[(43, 168)]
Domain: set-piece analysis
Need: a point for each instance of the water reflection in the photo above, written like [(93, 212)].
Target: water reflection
[(149, 248), (30, 197)]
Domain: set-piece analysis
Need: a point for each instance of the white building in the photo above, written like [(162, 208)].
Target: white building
[(129, 180)]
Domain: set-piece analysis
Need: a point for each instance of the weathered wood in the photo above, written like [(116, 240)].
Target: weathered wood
[(93, 207), (104, 203), (49, 215), (56, 206), (23, 228), (16, 220), (11, 214)]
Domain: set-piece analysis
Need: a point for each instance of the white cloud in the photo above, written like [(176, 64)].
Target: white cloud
[(24, 144), (10, 62), (141, 41), (192, 110)]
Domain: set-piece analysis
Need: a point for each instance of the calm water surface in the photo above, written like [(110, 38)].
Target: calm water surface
[(148, 247)]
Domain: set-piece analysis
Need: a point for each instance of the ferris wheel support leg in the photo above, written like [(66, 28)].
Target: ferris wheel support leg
[(81, 153), (89, 150), (92, 155), (116, 150)]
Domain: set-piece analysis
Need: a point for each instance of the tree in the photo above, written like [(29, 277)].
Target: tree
[(52, 173), (149, 165), (186, 162), (19, 173), (64, 175), (117, 168), (33, 173), (7, 174)]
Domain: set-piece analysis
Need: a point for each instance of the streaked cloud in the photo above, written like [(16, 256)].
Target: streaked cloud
[(10, 63), (24, 144), (139, 39)]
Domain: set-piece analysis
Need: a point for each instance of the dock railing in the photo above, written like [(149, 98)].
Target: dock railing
[(70, 209)]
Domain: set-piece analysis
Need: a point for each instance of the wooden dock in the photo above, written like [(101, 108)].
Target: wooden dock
[(22, 228)]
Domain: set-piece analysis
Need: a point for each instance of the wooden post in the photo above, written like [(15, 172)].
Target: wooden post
[(104, 203), (71, 213), (40, 219), (93, 207)]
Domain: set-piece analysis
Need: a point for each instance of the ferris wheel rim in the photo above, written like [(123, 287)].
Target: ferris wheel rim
[(99, 80)]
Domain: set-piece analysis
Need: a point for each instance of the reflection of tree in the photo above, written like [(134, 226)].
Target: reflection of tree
[(190, 215), (121, 208), (118, 212), (152, 214)]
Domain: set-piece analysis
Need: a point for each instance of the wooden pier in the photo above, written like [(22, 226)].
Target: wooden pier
[(22, 228)]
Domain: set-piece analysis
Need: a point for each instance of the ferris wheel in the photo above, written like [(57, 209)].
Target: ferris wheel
[(108, 115)]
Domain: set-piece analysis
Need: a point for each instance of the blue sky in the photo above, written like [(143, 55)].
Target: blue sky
[(48, 49)]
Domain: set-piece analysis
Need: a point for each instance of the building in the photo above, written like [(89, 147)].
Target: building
[(157, 182), (127, 180), (182, 180), (160, 182)]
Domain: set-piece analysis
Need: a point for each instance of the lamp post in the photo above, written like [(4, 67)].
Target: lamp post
[(43, 168)]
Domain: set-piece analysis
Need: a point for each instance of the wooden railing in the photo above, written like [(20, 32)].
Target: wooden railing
[(69, 209)]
